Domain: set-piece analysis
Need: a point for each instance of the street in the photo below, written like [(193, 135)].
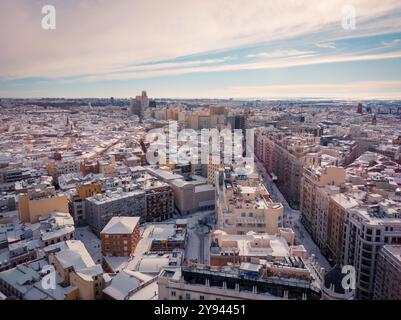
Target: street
[(291, 218)]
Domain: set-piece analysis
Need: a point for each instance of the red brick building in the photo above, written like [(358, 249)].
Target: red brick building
[(120, 236)]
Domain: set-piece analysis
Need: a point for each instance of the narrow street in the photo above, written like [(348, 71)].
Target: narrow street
[(291, 218)]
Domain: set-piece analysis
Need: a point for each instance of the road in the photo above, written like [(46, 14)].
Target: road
[(202, 232), (291, 218), (198, 247)]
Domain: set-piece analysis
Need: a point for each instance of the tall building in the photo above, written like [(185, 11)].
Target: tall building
[(314, 178), (139, 105), (359, 108), (366, 230), (387, 285), (338, 206)]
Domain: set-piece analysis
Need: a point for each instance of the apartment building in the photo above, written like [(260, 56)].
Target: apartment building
[(284, 157), (65, 166), (367, 229), (36, 204), (76, 201), (101, 208), (313, 179), (322, 207), (77, 269), (387, 284), (338, 206), (159, 200), (243, 204), (57, 228), (120, 236)]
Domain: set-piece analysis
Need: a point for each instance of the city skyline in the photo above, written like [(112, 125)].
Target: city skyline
[(297, 49)]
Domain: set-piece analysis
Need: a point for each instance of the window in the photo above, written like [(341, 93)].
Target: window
[(173, 293), (201, 297), (187, 296)]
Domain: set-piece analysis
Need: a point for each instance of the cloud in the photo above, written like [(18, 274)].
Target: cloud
[(392, 43), (258, 65), (280, 54), (104, 37), (326, 45)]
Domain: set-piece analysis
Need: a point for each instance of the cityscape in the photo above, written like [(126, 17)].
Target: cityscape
[(190, 176)]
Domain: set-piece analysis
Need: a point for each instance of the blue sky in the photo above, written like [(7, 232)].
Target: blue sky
[(176, 49)]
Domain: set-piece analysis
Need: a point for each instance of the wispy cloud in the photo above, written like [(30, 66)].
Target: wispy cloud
[(392, 43), (100, 40), (326, 45), (280, 54), (259, 65), (96, 36)]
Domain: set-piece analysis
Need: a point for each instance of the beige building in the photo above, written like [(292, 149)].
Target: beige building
[(33, 204), (213, 168), (65, 166), (243, 204), (313, 179), (192, 196), (338, 206), (77, 268)]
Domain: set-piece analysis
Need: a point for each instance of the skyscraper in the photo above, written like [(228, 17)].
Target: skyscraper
[(139, 105), (359, 108)]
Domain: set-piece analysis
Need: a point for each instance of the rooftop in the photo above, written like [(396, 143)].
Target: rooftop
[(121, 225)]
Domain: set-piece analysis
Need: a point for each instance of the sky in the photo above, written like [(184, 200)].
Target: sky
[(339, 49)]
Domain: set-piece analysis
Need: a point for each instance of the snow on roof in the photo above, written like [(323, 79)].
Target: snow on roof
[(153, 264), (116, 263), (88, 273), (120, 225), (147, 292), (163, 231), (344, 201), (124, 282), (75, 256)]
